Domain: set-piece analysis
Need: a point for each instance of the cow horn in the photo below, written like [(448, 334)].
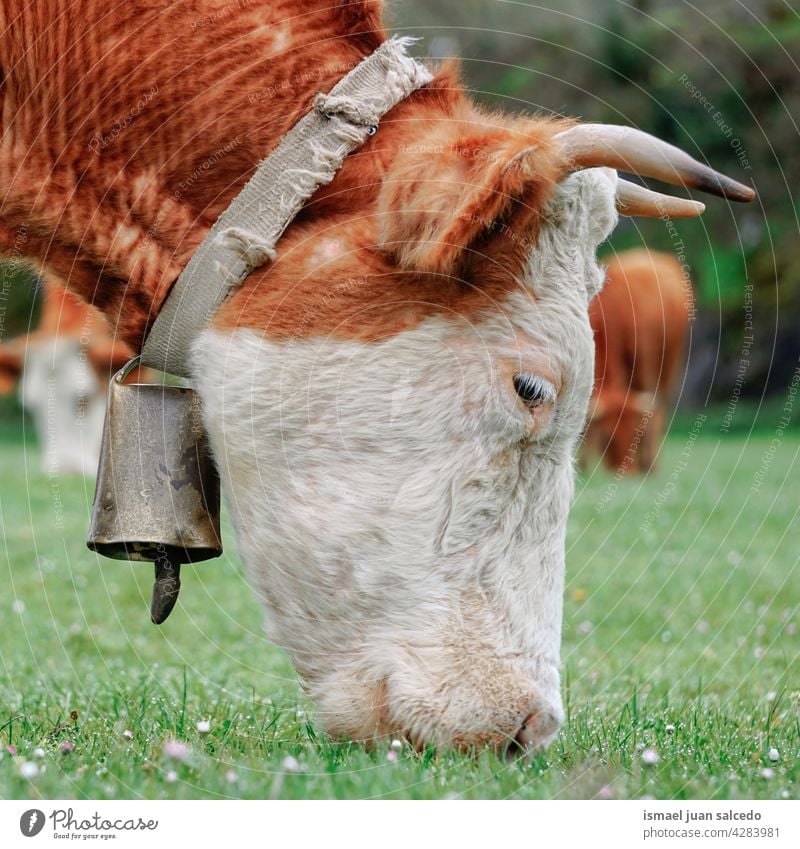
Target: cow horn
[(633, 199), (632, 150)]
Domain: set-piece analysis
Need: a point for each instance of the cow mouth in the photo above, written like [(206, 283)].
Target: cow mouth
[(522, 743), (534, 734)]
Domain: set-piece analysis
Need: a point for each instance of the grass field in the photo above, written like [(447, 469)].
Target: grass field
[(680, 655)]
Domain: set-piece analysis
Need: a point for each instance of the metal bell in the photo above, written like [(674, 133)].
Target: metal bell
[(157, 492)]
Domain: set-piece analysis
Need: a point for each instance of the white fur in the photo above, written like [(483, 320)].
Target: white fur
[(401, 512), (61, 392)]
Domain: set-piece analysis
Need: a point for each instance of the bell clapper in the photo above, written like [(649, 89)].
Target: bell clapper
[(165, 589), (156, 498)]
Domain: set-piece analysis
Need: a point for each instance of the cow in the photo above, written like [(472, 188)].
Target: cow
[(640, 321), (395, 398), (61, 370)]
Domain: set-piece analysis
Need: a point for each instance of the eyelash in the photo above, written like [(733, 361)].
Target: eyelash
[(533, 390)]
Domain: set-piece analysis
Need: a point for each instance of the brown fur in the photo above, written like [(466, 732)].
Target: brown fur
[(640, 320), (128, 129)]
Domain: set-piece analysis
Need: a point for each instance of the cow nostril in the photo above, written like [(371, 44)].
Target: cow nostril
[(537, 731), (522, 741)]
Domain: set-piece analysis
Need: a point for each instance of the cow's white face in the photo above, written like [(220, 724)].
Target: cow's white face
[(61, 392), (402, 511)]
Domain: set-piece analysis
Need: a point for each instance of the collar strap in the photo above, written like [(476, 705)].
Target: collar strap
[(307, 157)]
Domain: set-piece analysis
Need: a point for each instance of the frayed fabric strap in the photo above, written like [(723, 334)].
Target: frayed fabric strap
[(307, 157)]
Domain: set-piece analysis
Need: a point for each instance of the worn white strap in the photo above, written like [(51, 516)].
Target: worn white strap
[(307, 157)]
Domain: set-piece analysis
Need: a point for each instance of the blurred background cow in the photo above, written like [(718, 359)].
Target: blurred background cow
[(61, 371), (640, 321)]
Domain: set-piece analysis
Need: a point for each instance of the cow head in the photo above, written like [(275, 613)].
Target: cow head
[(400, 459), (63, 388), (61, 372)]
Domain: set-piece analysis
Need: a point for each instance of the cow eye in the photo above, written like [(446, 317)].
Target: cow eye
[(534, 390)]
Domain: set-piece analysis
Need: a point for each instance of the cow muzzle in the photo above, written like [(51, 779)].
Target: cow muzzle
[(449, 701)]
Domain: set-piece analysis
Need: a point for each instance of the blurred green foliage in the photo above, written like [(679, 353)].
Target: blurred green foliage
[(20, 303), (20, 308)]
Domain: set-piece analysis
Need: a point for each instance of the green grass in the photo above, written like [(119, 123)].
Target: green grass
[(686, 619)]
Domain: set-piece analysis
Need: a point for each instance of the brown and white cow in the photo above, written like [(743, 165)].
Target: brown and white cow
[(640, 321), (61, 370), (394, 402)]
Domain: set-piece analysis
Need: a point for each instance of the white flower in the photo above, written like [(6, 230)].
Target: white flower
[(39, 753), (767, 773), (670, 729), (29, 770), (290, 764), (171, 777), (391, 756), (231, 777), (650, 757), (203, 727), (127, 734), (397, 745), (774, 755), (177, 750), (18, 606)]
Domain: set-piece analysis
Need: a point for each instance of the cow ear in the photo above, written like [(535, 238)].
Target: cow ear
[(10, 369), (441, 201)]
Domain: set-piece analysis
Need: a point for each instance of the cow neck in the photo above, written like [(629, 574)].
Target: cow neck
[(307, 157)]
